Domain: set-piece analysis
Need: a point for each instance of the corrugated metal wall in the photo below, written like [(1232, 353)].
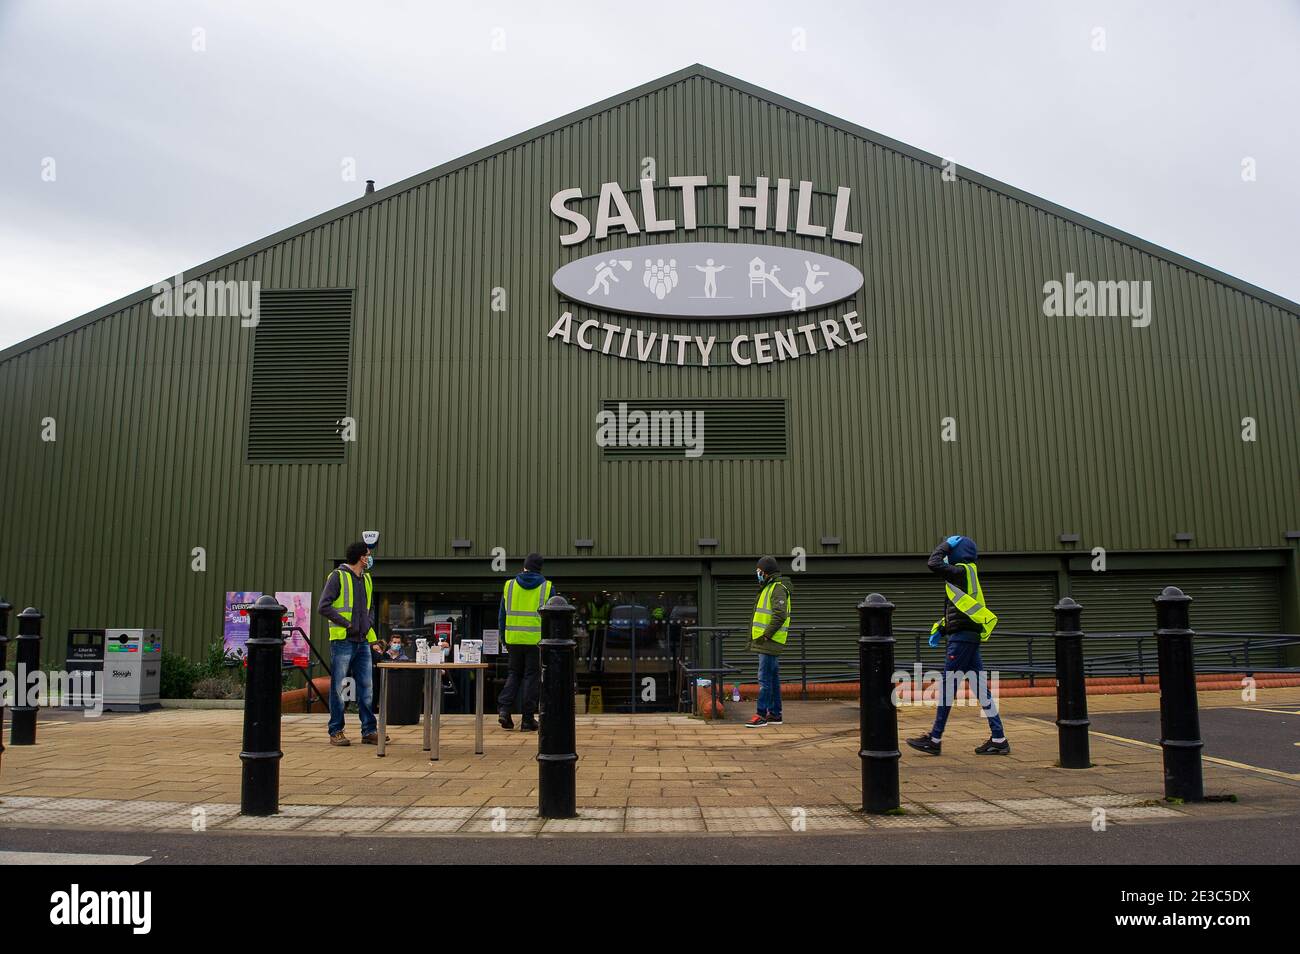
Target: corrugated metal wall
[(1123, 435), (1227, 600), (1223, 600)]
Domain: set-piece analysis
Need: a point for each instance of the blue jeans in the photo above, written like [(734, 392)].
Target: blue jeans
[(963, 656), (769, 686), (349, 659)]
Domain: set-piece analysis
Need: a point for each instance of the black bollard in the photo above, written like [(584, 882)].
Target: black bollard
[(557, 742), (27, 656), (1071, 689), (878, 718), (1180, 722), (5, 607), (259, 792)]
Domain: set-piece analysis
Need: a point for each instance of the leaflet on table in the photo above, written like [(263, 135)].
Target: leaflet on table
[(469, 651)]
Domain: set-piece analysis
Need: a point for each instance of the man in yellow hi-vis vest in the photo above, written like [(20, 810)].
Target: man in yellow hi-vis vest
[(598, 616), (767, 635), (520, 623), (966, 622), (348, 603)]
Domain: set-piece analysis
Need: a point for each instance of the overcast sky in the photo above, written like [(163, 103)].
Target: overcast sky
[(165, 156)]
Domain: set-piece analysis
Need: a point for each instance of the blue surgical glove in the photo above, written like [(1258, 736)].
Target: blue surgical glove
[(935, 636), (953, 541)]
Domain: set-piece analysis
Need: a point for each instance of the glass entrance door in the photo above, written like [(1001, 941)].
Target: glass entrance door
[(628, 648)]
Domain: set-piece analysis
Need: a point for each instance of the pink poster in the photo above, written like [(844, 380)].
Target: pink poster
[(297, 627)]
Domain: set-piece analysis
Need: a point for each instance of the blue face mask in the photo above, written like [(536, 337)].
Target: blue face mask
[(759, 575), (370, 562)]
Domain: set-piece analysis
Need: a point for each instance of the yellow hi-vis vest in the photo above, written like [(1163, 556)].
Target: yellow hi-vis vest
[(971, 603), (523, 616), (763, 613), (343, 603), (598, 615)]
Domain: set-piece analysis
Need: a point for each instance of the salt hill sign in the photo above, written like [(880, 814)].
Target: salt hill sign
[(707, 280)]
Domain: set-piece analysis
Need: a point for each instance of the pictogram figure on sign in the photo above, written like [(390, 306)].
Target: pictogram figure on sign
[(710, 277), (605, 272)]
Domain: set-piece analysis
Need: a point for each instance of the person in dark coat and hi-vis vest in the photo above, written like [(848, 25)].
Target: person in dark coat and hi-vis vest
[(348, 603), (967, 621), (767, 636), (520, 622)]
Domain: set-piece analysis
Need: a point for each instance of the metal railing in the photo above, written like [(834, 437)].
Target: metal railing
[(1105, 654), (308, 684), (711, 663)]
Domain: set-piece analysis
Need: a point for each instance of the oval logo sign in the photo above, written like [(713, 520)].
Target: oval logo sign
[(707, 280)]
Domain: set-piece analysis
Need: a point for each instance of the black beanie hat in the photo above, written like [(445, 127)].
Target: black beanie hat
[(533, 562), (768, 565)]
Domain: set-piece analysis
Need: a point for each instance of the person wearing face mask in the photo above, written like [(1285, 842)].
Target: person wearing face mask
[(767, 636), (348, 603)]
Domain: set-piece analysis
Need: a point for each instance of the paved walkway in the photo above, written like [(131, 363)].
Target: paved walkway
[(179, 770)]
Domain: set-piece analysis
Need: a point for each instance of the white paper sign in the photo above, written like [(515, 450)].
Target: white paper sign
[(491, 642)]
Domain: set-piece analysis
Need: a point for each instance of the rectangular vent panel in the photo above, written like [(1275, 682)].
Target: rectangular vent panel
[(298, 392), (733, 428)]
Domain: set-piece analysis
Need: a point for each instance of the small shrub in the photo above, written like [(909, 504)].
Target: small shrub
[(176, 681), (217, 665)]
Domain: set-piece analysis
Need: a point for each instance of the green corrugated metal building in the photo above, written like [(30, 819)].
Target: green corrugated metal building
[(420, 322)]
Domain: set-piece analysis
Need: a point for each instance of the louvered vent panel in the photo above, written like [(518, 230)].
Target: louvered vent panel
[(298, 393)]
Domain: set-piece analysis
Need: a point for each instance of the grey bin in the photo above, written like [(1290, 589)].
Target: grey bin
[(132, 669)]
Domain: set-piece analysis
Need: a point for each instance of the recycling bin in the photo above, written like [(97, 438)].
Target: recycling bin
[(132, 669), (84, 663)]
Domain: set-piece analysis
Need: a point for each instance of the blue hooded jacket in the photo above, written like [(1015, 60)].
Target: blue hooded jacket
[(529, 580), (956, 624), (963, 551)]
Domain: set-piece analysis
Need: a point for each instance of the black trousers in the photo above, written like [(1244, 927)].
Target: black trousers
[(525, 666)]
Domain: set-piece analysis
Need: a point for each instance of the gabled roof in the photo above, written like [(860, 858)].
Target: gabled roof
[(696, 70)]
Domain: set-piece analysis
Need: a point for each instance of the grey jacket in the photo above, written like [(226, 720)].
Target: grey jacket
[(361, 623)]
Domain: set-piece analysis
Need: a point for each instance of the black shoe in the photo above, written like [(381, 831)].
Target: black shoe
[(994, 748), (923, 743), (529, 724), (504, 720), (774, 720)]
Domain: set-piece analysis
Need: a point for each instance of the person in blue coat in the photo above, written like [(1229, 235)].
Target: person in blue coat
[(965, 623)]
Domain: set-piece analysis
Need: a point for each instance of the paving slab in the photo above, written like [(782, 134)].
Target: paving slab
[(179, 769)]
